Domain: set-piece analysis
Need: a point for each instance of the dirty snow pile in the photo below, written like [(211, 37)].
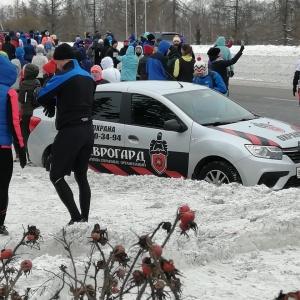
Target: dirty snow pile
[(247, 245)]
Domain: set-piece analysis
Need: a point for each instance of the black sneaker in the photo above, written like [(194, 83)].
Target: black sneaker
[(3, 230)]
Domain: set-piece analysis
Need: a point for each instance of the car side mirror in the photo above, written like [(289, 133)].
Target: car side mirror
[(174, 125)]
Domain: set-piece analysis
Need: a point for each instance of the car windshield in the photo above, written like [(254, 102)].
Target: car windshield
[(207, 107)]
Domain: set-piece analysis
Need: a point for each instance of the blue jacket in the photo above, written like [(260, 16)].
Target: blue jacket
[(29, 52), (129, 64), (212, 80), (226, 54), (156, 65), (8, 75)]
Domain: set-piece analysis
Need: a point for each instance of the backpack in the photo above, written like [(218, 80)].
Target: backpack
[(48, 46)]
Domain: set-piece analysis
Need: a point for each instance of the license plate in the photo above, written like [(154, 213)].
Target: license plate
[(298, 172)]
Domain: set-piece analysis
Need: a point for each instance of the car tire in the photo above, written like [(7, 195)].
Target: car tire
[(219, 172)]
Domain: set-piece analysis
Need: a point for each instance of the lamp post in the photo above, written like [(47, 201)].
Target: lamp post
[(135, 27), (126, 22), (145, 16)]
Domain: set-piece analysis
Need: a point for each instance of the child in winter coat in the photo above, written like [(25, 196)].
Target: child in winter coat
[(28, 85), (20, 56), (211, 79), (129, 65)]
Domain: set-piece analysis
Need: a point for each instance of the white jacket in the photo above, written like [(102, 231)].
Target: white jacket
[(39, 60), (111, 74)]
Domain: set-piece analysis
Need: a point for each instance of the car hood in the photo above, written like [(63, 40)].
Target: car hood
[(264, 131)]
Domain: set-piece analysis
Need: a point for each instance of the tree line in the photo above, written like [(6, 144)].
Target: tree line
[(199, 21)]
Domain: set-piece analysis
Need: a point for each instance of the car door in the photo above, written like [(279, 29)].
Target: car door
[(108, 132), (155, 151)]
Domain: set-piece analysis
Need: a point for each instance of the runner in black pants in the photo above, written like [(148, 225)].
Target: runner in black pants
[(9, 130), (71, 91)]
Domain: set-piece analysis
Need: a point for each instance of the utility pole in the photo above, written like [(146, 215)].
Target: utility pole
[(94, 15), (174, 16), (236, 8)]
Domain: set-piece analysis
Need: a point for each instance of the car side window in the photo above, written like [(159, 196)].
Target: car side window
[(107, 106), (148, 112)]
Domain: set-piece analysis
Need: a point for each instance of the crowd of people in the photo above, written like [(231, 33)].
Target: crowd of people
[(28, 65)]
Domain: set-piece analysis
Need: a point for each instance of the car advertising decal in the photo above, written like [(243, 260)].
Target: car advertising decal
[(268, 126), (159, 154), (253, 139), (156, 160)]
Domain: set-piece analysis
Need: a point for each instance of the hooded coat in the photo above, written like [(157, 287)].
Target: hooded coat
[(129, 65), (39, 60), (226, 54), (157, 63), (109, 72), (9, 113), (86, 63), (27, 87), (17, 63)]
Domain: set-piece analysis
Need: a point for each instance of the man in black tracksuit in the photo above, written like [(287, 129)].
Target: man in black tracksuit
[(71, 91)]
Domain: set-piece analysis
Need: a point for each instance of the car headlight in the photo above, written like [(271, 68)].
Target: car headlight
[(271, 152)]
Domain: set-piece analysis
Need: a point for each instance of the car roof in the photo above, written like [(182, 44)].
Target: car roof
[(159, 87)]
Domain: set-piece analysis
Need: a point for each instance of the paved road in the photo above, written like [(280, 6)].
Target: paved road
[(267, 99)]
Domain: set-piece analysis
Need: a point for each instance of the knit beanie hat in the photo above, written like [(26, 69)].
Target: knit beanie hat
[(7, 38), (200, 67), (50, 67), (148, 49), (126, 43), (213, 53), (97, 76), (63, 51), (151, 37), (19, 52), (176, 38)]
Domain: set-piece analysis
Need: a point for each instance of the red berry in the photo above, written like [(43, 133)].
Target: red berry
[(115, 290), (184, 227), (169, 266), (146, 269), (188, 217), (26, 265), (156, 251), (184, 208), (6, 254), (30, 237)]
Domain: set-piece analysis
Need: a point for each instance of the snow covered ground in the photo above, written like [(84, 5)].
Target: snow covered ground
[(247, 246)]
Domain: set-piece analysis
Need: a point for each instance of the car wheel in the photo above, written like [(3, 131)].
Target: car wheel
[(219, 172)]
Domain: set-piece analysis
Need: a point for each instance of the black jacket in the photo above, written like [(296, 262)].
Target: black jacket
[(72, 92), (10, 49), (27, 87), (296, 80), (220, 66), (113, 53)]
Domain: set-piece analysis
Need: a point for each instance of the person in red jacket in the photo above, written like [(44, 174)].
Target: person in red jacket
[(9, 131)]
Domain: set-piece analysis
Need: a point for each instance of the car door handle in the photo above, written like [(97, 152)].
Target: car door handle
[(133, 137)]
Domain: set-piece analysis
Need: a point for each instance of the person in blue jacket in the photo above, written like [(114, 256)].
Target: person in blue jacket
[(204, 76), (129, 65), (70, 94), (157, 63)]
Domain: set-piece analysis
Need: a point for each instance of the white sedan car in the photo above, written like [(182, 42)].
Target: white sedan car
[(172, 129)]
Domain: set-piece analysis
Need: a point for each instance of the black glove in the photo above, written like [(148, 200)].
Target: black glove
[(294, 91), (49, 111), (22, 157), (231, 73), (242, 48)]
